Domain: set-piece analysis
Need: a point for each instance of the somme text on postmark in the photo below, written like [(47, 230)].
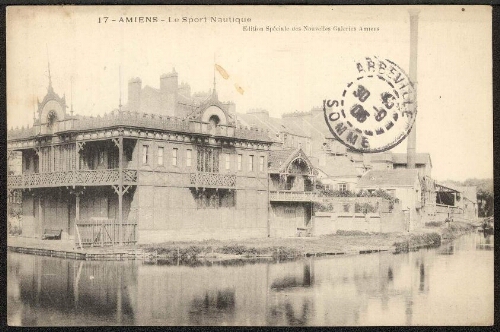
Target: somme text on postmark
[(376, 110)]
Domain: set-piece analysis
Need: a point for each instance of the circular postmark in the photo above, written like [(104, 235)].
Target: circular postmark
[(376, 110)]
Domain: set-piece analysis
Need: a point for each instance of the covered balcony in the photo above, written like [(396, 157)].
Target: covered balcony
[(72, 178)]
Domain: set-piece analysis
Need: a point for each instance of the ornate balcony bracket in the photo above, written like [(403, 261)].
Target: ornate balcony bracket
[(79, 146), (116, 141), (117, 189)]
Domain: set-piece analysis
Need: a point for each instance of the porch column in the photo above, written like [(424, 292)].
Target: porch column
[(40, 215), (77, 157), (77, 207), (120, 187)]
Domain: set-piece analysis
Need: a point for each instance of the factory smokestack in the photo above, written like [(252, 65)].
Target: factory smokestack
[(412, 137)]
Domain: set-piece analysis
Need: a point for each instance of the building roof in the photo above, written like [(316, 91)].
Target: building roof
[(469, 192), (279, 160), (278, 157), (388, 178), (274, 125), (420, 158), (338, 166), (384, 156)]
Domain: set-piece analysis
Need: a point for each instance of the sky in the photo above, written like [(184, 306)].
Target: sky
[(280, 71)]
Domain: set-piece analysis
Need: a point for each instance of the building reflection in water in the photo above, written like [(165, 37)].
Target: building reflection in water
[(54, 291), (378, 289)]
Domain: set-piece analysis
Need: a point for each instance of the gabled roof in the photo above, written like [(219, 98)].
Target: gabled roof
[(388, 178), (279, 160), (338, 166)]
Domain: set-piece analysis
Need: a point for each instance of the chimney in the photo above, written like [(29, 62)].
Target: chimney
[(134, 94), (412, 137), (169, 87), (185, 90), (231, 107)]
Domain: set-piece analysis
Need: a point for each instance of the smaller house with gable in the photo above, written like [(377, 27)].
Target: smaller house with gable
[(402, 184), (291, 192)]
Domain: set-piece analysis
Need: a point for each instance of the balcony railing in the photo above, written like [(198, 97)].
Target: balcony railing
[(70, 178), (212, 180), (292, 196)]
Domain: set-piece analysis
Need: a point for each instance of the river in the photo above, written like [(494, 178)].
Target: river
[(449, 285)]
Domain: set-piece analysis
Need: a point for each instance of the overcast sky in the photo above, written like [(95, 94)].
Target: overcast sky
[(279, 71)]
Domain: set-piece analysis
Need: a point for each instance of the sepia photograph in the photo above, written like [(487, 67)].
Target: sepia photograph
[(249, 166)]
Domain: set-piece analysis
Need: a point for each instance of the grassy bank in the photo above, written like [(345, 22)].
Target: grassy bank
[(341, 243), (434, 237), (285, 248)]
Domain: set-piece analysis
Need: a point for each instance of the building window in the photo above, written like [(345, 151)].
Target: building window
[(189, 154), (342, 186), (160, 156), (214, 199), (227, 161), (261, 163), (250, 163), (208, 159), (240, 158), (174, 157), (101, 157), (145, 154)]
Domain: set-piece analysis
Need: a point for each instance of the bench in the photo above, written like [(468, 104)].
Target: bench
[(52, 234)]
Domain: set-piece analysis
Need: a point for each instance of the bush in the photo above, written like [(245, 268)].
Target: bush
[(364, 208), (14, 230)]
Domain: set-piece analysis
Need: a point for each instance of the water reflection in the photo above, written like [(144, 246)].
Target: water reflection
[(213, 308), (52, 290), (378, 289)]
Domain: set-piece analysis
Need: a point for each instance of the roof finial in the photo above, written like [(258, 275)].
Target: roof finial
[(34, 109), (214, 73), (214, 91), (71, 110), (120, 87), (48, 63)]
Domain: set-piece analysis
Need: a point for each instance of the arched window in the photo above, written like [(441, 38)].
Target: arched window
[(214, 120)]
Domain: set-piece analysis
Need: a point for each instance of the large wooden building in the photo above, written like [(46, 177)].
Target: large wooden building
[(130, 176)]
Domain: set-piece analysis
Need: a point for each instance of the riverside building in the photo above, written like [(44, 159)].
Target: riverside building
[(168, 165)]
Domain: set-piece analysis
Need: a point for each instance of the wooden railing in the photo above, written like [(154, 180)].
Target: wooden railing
[(441, 208), (104, 232), (292, 196), (212, 180), (70, 178)]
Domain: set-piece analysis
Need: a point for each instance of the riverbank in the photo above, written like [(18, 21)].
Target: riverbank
[(341, 243)]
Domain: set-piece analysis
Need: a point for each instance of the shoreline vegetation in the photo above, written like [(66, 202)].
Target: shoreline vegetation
[(255, 250), (341, 243)]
